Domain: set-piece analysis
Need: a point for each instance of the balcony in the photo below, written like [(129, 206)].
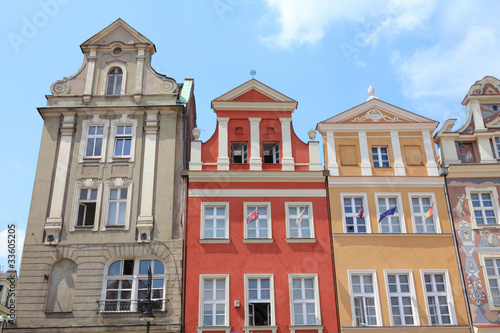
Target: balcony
[(128, 305)]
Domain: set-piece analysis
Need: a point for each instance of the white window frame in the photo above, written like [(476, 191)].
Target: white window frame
[(449, 296), (366, 212), (412, 295), (496, 145), (482, 258), (496, 206), (244, 152), (272, 301), (112, 184), (122, 121), (399, 208), (104, 79), (435, 212), (269, 238), (95, 121), (275, 153), (204, 277), (135, 277), (86, 184), (317, 307), (225, 239), (375, 295), (289, 238), (379, 156)]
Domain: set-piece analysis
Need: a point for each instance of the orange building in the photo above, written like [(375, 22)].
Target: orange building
[(395, 262), (258, 255)]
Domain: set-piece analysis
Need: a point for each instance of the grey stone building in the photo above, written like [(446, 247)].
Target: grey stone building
[(108, 194)]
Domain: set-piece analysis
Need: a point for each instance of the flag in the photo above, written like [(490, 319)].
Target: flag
[(300, 217), (429, 212), (253, 216), (361, 212), (388, 212)]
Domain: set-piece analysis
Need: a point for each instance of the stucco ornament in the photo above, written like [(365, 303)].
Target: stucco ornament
[(196, 133), (312, 134), (168, 86), (60, 87), (375, 116), (476, 292)]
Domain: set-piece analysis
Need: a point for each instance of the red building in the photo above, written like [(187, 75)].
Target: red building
[(258, 255)]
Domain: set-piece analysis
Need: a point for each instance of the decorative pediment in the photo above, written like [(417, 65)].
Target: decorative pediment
[(495, 123), (374, 115), (119, 30)]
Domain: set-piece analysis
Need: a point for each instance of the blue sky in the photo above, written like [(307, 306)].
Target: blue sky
[(421, 55)]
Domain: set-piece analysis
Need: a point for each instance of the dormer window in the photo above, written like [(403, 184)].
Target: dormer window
[(115, 77), (271, 153), (239, 153)]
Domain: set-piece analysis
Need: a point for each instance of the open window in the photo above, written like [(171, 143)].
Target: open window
[(271, 153), (87, 203), (239, 153), (260, 300)]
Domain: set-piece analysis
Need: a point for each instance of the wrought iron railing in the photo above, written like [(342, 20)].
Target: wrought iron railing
[(128, 305)]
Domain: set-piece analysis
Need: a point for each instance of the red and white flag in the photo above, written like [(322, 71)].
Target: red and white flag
[(253, 216), (360, 212), (300, 217)]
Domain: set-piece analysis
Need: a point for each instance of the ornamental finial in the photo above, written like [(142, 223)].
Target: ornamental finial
[(371, 92)]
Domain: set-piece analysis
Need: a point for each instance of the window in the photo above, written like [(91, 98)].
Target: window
[(300, 225), (305, 300), (484, 210), (380, 157), (117, 206), (87, 202), (363, 299), (126, 284), (214, 221), (354, 212), (438, 299), (257, 225), (402, 301), (214, 304), (421, 207), (271, 152), (260, 300), (497, 147), (392, 222), (492, 267), (95, 137), (123, 140), (239, 153), (114, 86)]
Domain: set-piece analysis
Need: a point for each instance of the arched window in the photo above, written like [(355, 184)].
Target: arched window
[(115, 77), (126, 284)]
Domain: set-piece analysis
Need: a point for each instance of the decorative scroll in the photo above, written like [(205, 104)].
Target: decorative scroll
[(375, 116)]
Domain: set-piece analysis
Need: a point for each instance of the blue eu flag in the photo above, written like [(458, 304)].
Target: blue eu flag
[(388, 212)]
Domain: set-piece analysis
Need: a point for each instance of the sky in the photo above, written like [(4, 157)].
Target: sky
[(420, 55)]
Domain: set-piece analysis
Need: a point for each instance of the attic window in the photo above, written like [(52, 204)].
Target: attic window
[(115, 77), (117, 50), (495, 108)]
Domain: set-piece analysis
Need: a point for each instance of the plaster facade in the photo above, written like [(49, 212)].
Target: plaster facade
[(390, 257), (108, 192), (470, 160)]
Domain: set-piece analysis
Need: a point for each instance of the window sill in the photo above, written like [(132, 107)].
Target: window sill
[(248, 329), (226, 329), (84, 227), (486, 226), (300, 240), (258, 240), (91, 158), (109, 226), (294, 328), (121, 158), (214, 240)]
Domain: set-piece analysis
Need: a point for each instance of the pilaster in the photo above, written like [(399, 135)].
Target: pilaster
[(399, 166), (89, 80), (288, 163), (333, 166), (432, 168), (366, 167), (255, 158), (223, 158)]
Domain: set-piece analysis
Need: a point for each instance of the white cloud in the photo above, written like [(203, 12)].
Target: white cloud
[(306, 23), (4, 250), (447, 69)]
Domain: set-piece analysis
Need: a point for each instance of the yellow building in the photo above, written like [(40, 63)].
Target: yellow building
[(394, 255)]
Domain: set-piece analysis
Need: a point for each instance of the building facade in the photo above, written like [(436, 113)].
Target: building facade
[(470, 159), (8, 285), (107, 193), (258, 244), (394, 255)]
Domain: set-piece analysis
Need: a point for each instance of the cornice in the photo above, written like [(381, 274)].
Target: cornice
[(256, 176), (374, 127), (260, 106), (370, 181)]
